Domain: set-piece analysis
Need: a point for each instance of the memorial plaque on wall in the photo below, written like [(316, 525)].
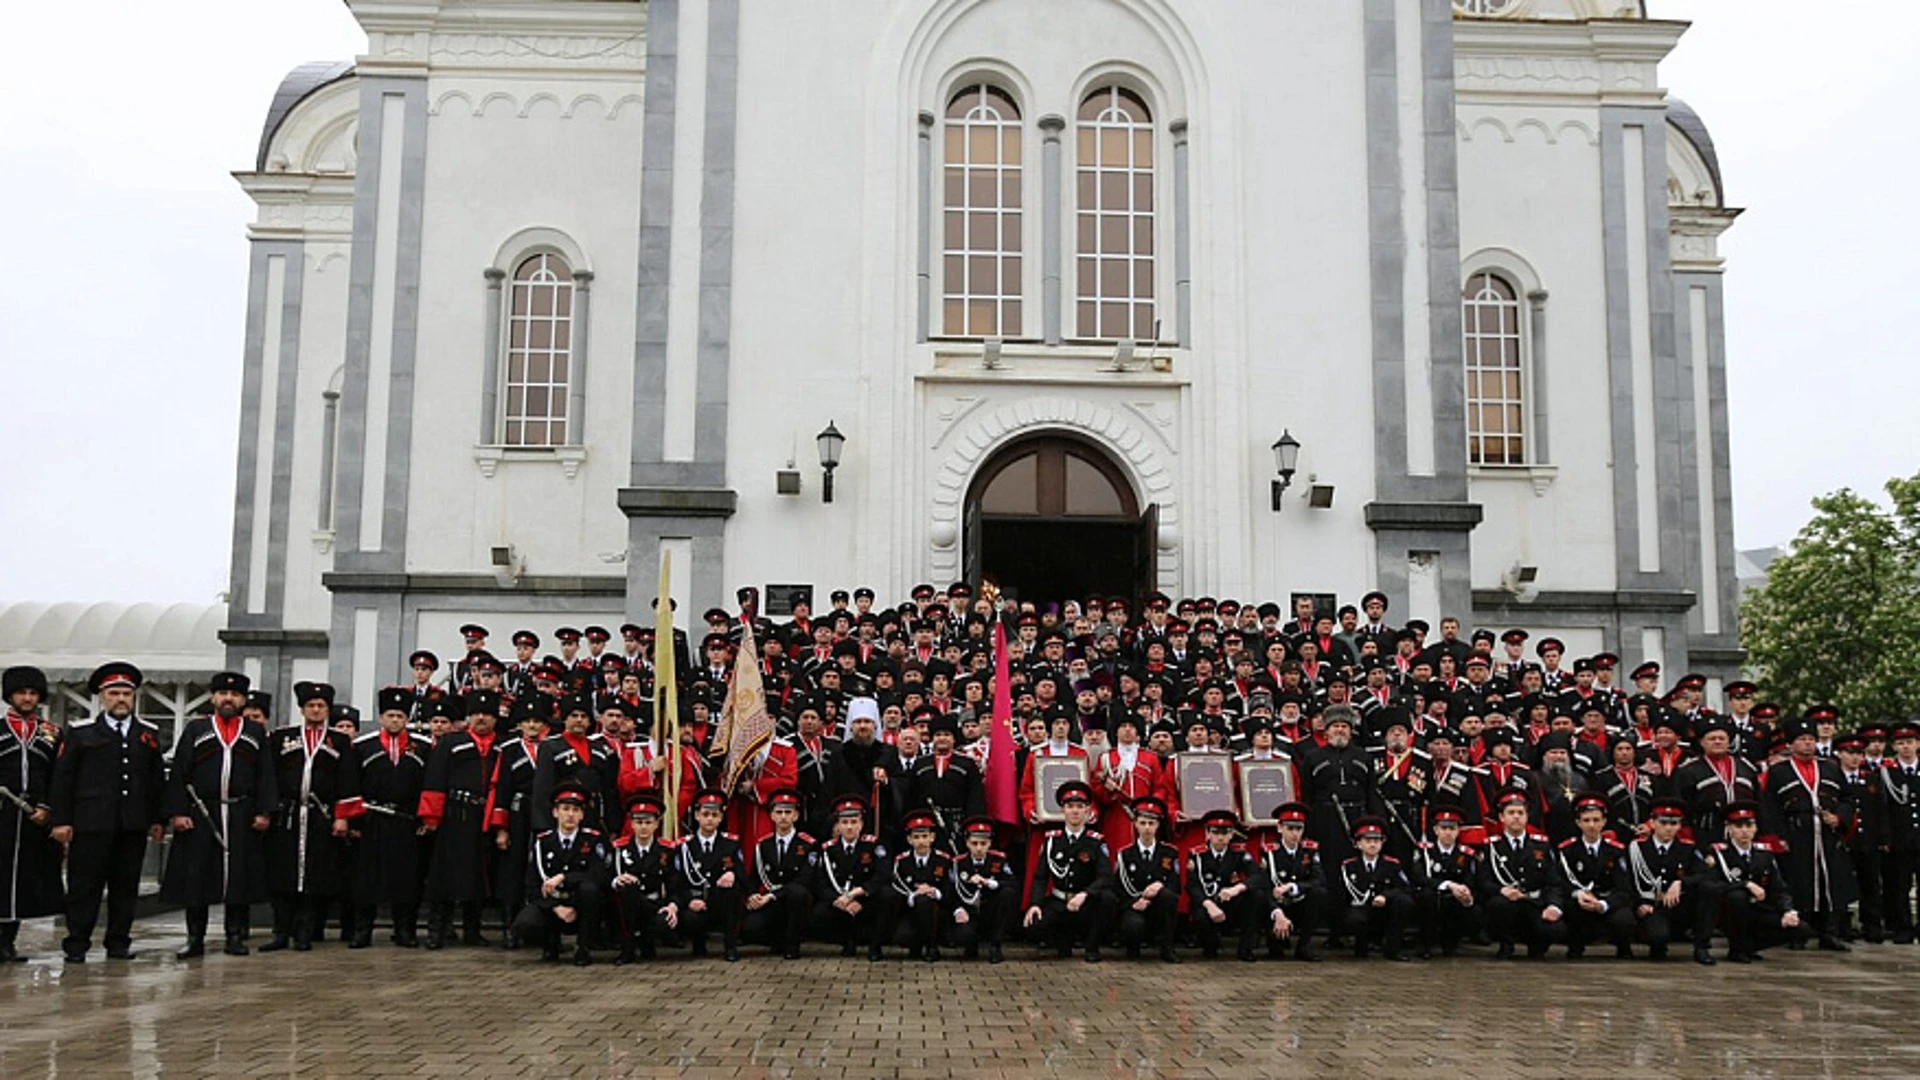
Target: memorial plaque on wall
[(1048, 774), (1206, 784), (1264, 787)]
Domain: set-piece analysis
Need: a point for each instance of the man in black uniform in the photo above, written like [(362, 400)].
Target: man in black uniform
[(1445, 872), (457, 808), (566, 877), (1071, 896), (707, 886), (1898, 823), (846, 880), (916, 894), (1709, 782), (105, 803), (1518, 884), (315, 780), (581, 759), (1219, 883), (1660, 883), (1291, 886), (823, 772), (1378, 896), (1147, 872), (220, 794), (512, 815), (392, 766), (29, 857), (1589, 866), (777, 897), (984, 892), (946, 782), (1809, 808), (643, 873), (1743, 880), (1339, 783), (1862, 843)]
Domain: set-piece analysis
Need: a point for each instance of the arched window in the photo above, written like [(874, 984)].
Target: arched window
[(1496, 370), (981, 269), (539, 353), (1114, 217)]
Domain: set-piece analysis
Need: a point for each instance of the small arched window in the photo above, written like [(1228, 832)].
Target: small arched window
[(539, 353), (1496, 368), (981, 269), (1114, 217)]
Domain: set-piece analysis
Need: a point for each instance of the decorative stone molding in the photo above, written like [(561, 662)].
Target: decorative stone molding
[(592, 51), (490, 458), (977, 431), (502, 103)]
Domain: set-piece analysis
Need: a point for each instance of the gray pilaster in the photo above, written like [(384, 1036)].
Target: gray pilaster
[(360, 319), (1446, 359), (656, 235), (716, 241), (582, 326), (653, 502), (279, 463), (1428, 514), (490, 363), (1182, 236), (1538, 446), (1051, 225), (1672, 401), (285, 412), (923, 269), (329, 440)]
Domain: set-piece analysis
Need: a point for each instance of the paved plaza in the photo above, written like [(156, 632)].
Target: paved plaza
[(481, 1012)]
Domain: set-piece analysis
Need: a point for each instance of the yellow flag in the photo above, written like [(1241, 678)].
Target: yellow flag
[(666, 698)]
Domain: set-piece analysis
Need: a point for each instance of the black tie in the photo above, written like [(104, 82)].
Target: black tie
[(783, 851), (566, 844)]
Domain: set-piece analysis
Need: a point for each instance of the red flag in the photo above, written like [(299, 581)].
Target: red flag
[(1003, 795)]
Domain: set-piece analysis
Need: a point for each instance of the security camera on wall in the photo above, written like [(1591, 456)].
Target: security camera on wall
[(508, 565), (1521, 582)]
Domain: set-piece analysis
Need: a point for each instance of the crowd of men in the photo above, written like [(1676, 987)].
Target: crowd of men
[(1440, 791)]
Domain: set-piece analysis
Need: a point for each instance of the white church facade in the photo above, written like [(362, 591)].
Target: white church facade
[(544, 289)]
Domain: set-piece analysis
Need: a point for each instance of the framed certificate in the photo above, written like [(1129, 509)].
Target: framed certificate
[(1048, 774), (1264, 787), (1206, 784)]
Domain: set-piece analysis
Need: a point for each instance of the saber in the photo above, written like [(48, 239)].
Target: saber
[(26, 807), (207, 816), (389, 811)]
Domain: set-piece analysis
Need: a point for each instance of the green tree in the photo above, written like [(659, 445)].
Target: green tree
[(1839, 616)]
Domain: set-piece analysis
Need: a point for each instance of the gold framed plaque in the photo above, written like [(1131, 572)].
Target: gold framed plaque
[(1048, 774), (1265, 786), (1206, 784)]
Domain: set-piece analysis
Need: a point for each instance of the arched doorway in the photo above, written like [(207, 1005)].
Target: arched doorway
[(1051, 517)]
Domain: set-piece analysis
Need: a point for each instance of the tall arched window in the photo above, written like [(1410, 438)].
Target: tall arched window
[(539, 353), (1114, 217), (981, 270), (1495, 369)]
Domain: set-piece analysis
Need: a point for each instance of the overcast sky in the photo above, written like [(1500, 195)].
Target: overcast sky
[(122, 313)]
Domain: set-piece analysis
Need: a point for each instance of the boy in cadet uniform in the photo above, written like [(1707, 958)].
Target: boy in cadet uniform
[(643, 880), (1744, 880), (1292, 885), (1378, 900), (984, 891), (1070, 898), (566, 878), (777, 896), (917, 891), (1219, 878), (1444, 871), (1589, 865), (708, 884), (1148, 874), (846, 879)]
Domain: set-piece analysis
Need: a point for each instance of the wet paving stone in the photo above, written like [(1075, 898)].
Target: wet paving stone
[(473, 1012)]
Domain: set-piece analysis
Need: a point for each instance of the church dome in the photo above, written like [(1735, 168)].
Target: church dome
[(299, 83), (1688, 123)]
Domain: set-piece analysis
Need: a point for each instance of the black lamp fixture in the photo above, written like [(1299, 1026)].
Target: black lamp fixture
[(1286, 458), (831, 442)]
